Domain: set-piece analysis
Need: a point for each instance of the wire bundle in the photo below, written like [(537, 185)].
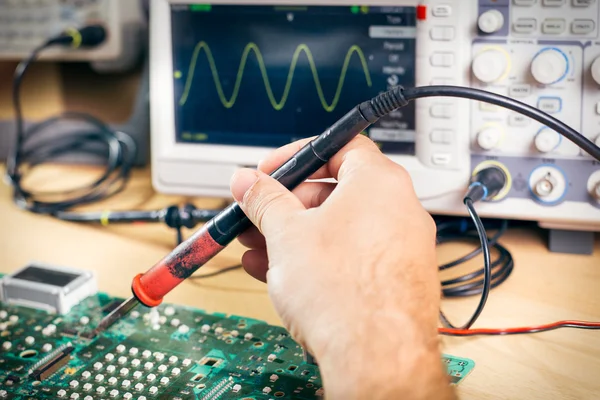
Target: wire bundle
[(116, 148)]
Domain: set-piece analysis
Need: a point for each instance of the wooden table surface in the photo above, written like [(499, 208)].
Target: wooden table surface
[(545, 287)]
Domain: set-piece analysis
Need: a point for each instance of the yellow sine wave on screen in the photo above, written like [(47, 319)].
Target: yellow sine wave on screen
[(277, 105)]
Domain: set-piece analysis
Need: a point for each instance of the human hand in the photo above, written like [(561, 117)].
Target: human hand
[(351, 269)]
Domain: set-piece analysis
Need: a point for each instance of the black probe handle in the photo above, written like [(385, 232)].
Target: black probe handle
[(232, 221), (151, 287)]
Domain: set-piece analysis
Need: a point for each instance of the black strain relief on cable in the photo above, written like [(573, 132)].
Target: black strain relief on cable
[(487, 183), (172, 218), (476, 192), (92, 35), (187, 216), (383, 104)]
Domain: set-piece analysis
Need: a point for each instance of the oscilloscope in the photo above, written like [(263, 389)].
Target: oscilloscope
[(232, 80)]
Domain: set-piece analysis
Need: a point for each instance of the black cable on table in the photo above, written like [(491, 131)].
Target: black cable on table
[(117, 148)]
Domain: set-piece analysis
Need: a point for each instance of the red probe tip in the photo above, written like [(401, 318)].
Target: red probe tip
[(141, 295)]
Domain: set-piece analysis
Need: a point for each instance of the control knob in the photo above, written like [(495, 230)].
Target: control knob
[(491, 21), (594, 186), (550, 66), (596, 70), (489, 138), (596, 192), (490, 65), (547, 140)]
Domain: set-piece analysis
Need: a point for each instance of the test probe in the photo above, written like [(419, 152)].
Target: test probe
[(151, 287)]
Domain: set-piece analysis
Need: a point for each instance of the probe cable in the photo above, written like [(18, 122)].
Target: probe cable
[(487, 267)]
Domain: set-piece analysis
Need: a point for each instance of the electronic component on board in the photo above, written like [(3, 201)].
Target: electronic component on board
[(50, 288), (49, 365)]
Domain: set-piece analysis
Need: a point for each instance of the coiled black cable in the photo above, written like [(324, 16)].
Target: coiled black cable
[(117, 149)]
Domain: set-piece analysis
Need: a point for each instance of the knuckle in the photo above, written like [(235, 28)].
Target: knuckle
[(261, 201)]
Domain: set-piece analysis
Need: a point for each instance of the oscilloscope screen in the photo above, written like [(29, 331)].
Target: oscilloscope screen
[(265, 76)]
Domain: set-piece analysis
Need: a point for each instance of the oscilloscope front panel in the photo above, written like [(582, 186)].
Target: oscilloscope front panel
[(232, 80)]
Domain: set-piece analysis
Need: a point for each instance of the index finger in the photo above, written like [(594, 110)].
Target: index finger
[(278, 157)]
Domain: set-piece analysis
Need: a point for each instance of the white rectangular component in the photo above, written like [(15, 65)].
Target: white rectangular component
[(45, 287), (27, 24), (543, 53)]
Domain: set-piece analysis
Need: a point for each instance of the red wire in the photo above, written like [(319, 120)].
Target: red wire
[(522, 330)]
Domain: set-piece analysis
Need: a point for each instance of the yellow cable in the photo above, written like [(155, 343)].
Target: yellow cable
[(74, 33), (104, 218), (277, 105)]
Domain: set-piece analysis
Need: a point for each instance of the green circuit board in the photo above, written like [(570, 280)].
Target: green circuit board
[(170, 352)]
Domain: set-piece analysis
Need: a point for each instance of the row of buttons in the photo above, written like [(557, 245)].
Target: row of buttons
[(555, 3), (441, 136), (554, 26), (445, 60)]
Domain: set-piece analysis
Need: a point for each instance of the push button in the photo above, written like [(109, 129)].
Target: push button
[(441, 11), (441, 158), (583, 3), (442, 33), (554, 26), (442, 59), (522, 90), (583, 26), (553, 3), (525, 25), (518, 120), (550, 105), (442, 81), (441, 136), (525, 3), (442, 111)]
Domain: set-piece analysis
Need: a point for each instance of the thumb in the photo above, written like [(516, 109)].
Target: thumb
[(265, 201)]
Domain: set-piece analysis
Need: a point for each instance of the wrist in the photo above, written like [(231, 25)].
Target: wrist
[(388, 356)]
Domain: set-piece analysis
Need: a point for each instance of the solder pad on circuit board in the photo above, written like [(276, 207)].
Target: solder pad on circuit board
[(180, 353)]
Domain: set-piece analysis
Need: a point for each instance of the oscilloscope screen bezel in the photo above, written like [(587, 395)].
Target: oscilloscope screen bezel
[(202, 169)]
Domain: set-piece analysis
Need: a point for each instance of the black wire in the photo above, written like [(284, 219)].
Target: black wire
[(508, 103), (469, 284), (492, 242), (117, 148), (486, 282)]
